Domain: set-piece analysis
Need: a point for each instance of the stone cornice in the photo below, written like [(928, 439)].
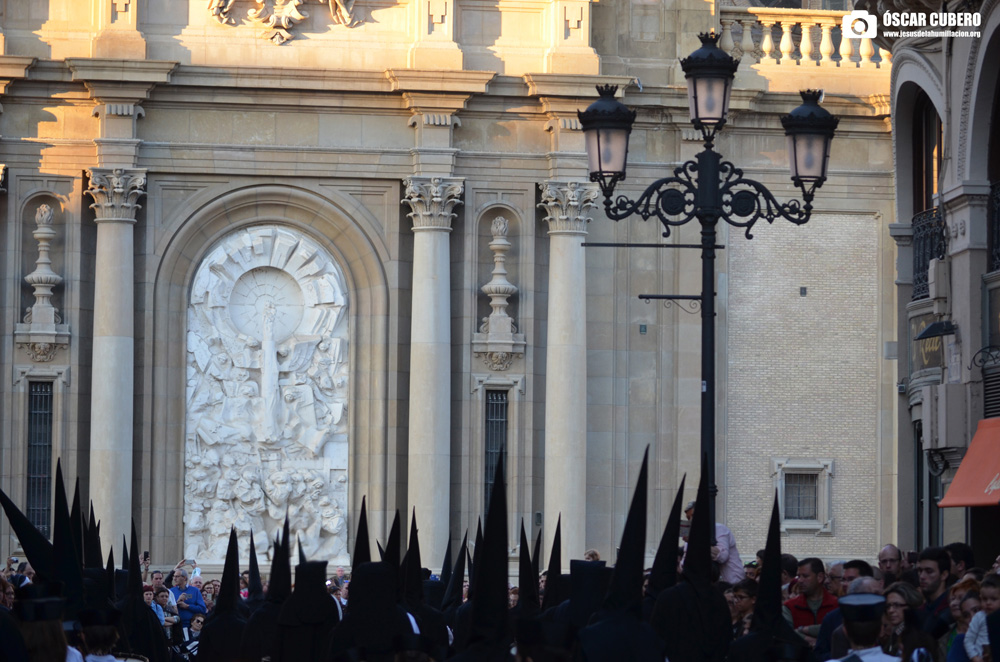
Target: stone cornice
[(416, 80), (566, 204), (13, 68), (282, 79), (121, 71), (116, 193), (431, 200), (572, 85)]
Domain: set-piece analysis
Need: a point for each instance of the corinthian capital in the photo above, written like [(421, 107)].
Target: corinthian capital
[(116, 193), (566, 204), (431, 200)]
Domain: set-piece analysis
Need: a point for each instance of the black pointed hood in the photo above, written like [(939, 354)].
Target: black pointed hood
[(664, 573), (66, 556), (446, 564), (553, 576), (413, 581), (362, 550), (489, 608), (625, 592), (229, 588), (476, 555), (393, 552), (381, 551), (36, 547), (536, 554), (302, 552), (92, 544), (279, 586), (124, 554), (134, 573), (527, 581), (698, 560), (255, 588), (223, 630), (456, 582), (77, 521), (110, 576), (767, 609)]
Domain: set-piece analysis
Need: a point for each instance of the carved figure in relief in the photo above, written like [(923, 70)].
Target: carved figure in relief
[(267, 390)]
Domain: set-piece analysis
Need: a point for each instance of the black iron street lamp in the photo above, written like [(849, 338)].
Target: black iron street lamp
[(707, 189)]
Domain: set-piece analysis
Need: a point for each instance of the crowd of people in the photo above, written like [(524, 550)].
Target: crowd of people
[(697, 603)]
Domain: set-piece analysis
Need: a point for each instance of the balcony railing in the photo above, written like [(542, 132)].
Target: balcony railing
[(929, 242), (993, 209), (794, 37)]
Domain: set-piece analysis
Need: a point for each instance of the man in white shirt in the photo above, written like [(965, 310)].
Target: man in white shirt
[(724, 552)]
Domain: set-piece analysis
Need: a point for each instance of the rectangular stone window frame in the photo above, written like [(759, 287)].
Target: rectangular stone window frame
[(518, 453), (781, 468), (24, 375)]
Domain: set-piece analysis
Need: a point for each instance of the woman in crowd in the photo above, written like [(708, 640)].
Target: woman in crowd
[(148, 595), (968, 607), (162, 598), (208, 593), (977, 638), (956, 595), (905, 636)]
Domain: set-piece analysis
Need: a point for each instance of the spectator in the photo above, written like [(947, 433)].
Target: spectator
[(147, 596), (806, 611), (6, 595), (977, 636), (903, 609), (208, 594), (961, 558), (831, 643), (835, 583), (189, 600), (161, 596), (750, 569), (789, 566), (958, 594), (857, 568), (743, 600), (934, 570), (591, 555)]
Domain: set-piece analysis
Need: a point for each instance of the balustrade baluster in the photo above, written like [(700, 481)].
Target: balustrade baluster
[(867, 50), (787, 47), (726, 40), (806, 45), (826, 43), (746, 40), (767, 42), (846, 51)]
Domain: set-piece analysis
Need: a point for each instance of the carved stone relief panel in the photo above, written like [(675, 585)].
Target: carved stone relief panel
[(275, 19), (267, 395)]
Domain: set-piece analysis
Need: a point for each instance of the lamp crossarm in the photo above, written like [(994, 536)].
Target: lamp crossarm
[(745, 201), (740, 201), (671, 200)]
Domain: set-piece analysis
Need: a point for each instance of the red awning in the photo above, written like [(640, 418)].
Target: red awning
[(977, 481)]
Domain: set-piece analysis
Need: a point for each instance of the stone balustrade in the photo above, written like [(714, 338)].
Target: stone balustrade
[(795, 37)]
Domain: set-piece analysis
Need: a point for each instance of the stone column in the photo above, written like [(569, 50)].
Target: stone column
[(566, 204), (431, 200), (115, 193)]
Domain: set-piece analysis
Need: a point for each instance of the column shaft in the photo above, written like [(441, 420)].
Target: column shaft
[(115, 196), (565, 489), (428, 472)]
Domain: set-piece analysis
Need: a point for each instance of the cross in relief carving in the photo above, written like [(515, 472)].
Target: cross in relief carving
[(121, 6)]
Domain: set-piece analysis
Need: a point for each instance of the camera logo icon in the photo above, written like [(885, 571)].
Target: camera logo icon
[(859, 24)]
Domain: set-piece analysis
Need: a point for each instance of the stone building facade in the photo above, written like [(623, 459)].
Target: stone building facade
[(286, 254), (947, 155)]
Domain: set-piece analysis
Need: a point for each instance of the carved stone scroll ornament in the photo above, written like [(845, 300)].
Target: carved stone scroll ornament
[(276, 18), (267, 395)]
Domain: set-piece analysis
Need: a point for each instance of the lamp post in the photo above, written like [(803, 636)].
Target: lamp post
[(707, 189)]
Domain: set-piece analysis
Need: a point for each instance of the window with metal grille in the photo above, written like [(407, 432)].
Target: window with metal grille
[(801, 496), (496, 437), (39, 501)]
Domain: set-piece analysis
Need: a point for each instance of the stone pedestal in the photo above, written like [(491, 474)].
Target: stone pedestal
[(566, 205), (431, 201), (115, 193)]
